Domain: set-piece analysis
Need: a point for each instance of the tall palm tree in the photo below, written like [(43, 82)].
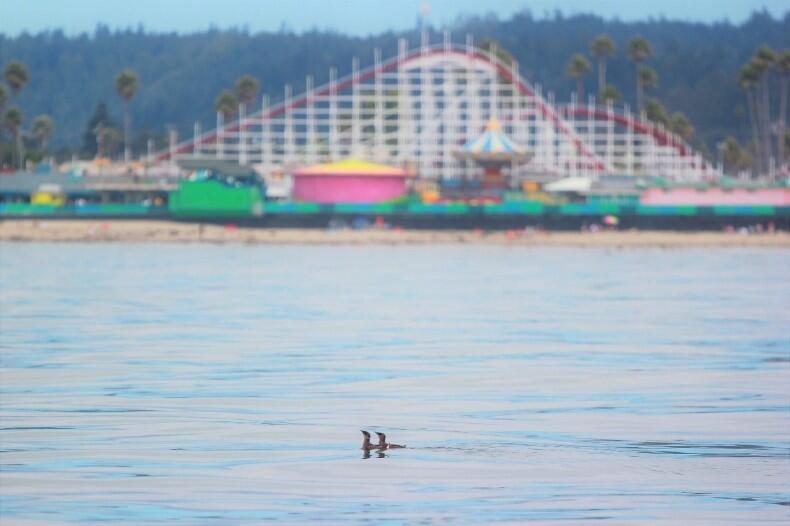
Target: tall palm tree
[(12, 120), (602, 48), (783, 65), (680, 125), (610, 93), (227, 104), (646, 79), (42, 128), (764, 61), (3, 100), (577, 68), (655, 112), (15, 75), (748, 77), (733, 156), (126, 85), (246, 89), (639, 50)]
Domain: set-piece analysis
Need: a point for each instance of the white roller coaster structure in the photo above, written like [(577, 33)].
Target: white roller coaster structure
[(420, 106)]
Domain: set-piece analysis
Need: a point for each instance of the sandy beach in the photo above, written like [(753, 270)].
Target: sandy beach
[(175, 232)]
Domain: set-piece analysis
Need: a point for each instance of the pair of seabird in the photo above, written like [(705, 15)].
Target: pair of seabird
[(382, 445)]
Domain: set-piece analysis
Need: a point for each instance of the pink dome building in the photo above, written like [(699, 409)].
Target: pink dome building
[(349, 181)]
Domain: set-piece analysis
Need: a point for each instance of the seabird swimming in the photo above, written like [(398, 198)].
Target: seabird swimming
[(383, 443), (366, 445)]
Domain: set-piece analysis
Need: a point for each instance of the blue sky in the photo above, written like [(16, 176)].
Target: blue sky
[(359, 17)]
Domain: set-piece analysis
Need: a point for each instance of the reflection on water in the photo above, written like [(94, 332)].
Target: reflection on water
[(228, 384), (377, 454)]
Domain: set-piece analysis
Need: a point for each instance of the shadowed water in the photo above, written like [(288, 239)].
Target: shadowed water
[(228, 384)]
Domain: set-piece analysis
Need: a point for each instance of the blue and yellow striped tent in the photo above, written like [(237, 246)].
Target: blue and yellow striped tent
[(493, 147)]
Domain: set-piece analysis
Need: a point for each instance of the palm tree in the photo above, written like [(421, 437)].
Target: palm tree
[(763, 62), (646, 79), (639, 50), (655, 112), (748, 77), (246, 89), (577, 68), (783, 65), (602, 47), (680, 125), (610, 93), (126, 86), (226, 104), (42, 128), (15, 75), (13, 122), (3, 100), (733, 156)]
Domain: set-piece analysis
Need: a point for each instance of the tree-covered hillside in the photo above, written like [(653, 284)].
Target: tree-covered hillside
[(180, 76)]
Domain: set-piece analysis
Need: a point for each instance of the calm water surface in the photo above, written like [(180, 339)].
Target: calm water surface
[(227, 385)]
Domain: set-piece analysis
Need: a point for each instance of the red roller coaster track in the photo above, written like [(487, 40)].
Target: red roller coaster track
[(547, 111)]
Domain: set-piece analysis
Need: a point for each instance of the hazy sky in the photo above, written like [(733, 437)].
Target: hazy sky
[(358, 17)]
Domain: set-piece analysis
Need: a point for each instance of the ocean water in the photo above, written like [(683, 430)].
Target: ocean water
[(208, 384)]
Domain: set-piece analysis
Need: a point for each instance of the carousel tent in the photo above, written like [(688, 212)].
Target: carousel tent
[(493, 147), (493, 151)]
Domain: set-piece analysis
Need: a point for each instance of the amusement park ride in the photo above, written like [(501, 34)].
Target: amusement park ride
[(420, 108)]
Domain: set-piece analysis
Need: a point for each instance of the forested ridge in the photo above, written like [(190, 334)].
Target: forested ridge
[(180, 76)]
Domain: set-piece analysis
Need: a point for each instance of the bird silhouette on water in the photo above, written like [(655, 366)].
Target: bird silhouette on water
[(383, 443), (368, 446)]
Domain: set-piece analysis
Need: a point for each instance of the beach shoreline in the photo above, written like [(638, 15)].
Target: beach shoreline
[(144, 231)]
